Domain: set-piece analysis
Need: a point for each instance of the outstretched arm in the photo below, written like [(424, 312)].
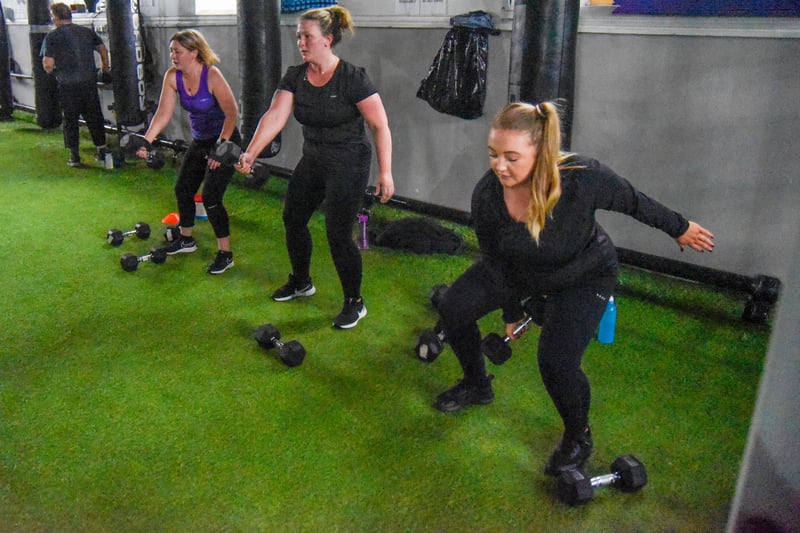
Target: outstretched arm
[(269, 126), (697, 238)]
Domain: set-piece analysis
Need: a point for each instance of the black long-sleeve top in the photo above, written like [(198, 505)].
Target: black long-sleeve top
[(572, 247)]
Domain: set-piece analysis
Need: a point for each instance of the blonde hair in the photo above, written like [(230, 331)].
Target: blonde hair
[(194, 40), (542, 123), (332, 21)]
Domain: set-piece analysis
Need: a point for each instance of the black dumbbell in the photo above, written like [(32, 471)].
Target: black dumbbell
[(430, 344), (291, 353), (627, 474), (130, 143), (228, 153), (130, 262), (116, 236), (436, 294), (496, 348), (172, 233)]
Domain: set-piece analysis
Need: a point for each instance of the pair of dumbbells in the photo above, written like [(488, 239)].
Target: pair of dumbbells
[(130, 143), (628, 474), (228, 153), (291, 353), (115, 237), (495, 348)]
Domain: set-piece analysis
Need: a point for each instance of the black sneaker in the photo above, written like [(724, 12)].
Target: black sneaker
[(570, 454), (100, 154), (222, 262), (184, 245), (464, 394), (75, 163), (353, 310), (294, 288)]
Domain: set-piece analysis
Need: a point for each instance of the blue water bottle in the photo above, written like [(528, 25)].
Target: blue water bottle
[(608, 323)]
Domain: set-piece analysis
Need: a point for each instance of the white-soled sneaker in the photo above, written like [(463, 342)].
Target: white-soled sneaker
[(222, 262), (353, 310)]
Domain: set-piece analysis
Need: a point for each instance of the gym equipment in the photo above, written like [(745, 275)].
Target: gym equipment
[(126, 46), (172, 233), (48, 110), (116, 236), (130, 143), (228, 153), (436, 294), (627, 474), (130, 262), (260, 70), (496, 348), (6, 96), (430, 344), (291, 353), (171, 219)]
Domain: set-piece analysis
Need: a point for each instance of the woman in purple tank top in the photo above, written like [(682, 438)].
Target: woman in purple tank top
[(203, 92)]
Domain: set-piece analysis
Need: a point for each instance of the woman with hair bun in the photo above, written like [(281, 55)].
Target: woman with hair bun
[(331, 99), (533, 214)]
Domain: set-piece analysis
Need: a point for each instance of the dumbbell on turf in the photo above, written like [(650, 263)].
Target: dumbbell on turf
[(627, 474), (430, 344), (116, 236), (291, 353), (130, 262)]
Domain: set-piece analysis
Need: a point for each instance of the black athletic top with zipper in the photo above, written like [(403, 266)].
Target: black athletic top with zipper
[(573, 248)]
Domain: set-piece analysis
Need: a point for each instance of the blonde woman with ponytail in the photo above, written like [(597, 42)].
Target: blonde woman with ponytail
[(533, 214), (332, 100)]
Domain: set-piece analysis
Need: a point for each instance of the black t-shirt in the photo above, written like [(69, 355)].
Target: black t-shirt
[(572, 247), (72, 47), (328, 114)]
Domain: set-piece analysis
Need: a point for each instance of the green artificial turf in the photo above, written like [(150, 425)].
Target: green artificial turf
[(140, 401)]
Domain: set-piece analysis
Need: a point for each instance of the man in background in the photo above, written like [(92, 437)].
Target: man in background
[(68, 52)]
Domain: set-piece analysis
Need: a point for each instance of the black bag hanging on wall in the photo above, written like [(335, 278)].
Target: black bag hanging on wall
[(456, 81)]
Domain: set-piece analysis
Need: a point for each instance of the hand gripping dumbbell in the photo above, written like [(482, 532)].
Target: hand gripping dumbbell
[(130, 262), (496, 348), (116, 236), (130, 143), (291, 353), (627, 474), (228, 153), (430, 344)]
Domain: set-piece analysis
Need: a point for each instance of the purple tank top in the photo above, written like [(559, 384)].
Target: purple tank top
[(205, 115)]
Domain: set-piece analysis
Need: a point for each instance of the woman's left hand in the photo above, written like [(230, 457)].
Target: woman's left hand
[(697, 238)]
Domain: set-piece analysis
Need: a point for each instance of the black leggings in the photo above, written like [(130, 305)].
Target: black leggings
[(194, 171), (339, 176), (569, 322)]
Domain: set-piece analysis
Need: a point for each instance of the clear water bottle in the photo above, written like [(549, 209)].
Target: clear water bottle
[(608, 323)]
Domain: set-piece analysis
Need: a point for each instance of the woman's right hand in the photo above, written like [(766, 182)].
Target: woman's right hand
[(511, 327), (245, 163)]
